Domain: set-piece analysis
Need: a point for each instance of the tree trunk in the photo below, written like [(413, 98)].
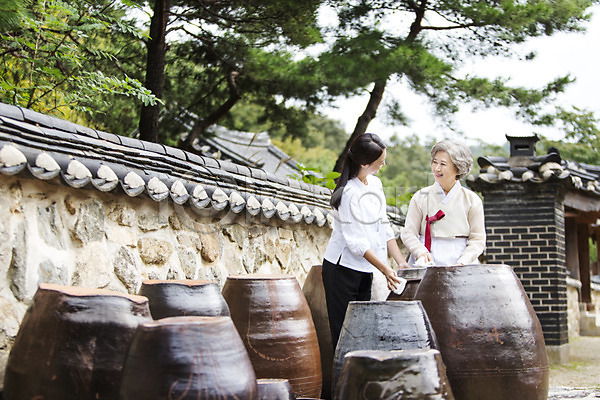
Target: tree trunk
[(364, 120), (155, 69), (203, 124), (379, 88)]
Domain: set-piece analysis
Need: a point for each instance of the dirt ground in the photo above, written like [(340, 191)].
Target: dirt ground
[(580, 379), (583, 370)]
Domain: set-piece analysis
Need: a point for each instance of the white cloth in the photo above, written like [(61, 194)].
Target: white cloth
[(444, 251), (360, 224)]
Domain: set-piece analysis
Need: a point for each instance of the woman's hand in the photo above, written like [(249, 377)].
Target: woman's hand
[(402, 264), (388, 272), (425, 258), (392, 278)]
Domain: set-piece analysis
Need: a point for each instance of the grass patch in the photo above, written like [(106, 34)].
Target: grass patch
[(572, 366)]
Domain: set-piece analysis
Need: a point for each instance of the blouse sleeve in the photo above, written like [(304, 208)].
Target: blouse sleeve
[(412, 227), (476, 239), (351, 227)]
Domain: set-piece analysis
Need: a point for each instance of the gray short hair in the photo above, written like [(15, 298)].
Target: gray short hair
[(460, 155)]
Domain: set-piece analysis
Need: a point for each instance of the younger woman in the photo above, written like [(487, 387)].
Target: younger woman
[(361, 236)]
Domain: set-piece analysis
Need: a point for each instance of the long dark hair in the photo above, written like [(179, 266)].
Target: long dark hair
[(364, 150)]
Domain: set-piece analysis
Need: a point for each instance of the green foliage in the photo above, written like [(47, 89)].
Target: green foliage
[(49, 61), (573, 151), (530, 102), (257, 43), (316, 152), (318, 157), (314, 176), (12, 12), (483, 148), (425, 43), (96, 83), (327, 133), (407, 169), (318, 148), (582, 135)]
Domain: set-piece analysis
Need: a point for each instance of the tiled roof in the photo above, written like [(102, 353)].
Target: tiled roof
[(249, 149), (538, 169), (46, 147)]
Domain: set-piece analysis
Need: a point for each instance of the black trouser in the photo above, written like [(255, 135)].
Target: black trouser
[(343, 285)]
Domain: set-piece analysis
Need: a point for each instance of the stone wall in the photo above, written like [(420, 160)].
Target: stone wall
[(584, 319), (574, 316), (54, 233)]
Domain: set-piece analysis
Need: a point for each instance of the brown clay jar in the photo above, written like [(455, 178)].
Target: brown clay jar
[(173, 298), (276, 326), (188, 358), (72, 344), (417, 374), (489, 335), (314, 292), (383, 325)]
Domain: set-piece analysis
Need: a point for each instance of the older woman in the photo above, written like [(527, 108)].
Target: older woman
[(444, 224)]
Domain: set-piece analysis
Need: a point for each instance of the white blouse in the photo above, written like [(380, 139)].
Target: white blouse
[(360, 224)]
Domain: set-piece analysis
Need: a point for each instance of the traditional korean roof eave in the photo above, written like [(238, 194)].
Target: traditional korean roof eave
[(577, 177), (249, 149), (48, 148)]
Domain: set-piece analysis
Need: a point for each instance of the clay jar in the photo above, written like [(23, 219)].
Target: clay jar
[(275, 323), (400, 374), (172, 298), (188, 357), (383, 325), (413, 278), (72, 344), (489, 335), (314, 292)]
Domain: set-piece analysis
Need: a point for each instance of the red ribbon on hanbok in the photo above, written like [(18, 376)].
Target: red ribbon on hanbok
[(438, 215)]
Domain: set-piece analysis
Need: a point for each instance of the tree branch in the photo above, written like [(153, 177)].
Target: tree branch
[(200, 127)]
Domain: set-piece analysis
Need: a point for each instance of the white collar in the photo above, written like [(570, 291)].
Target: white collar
[(446, 197), (360, 184)]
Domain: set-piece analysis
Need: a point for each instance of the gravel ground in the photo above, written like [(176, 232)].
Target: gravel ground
[(580, 379)]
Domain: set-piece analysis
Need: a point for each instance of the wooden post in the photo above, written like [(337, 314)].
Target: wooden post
[(596, 269), (583, 247), (572, 253)]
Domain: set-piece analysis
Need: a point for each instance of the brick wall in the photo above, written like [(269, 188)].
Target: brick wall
[(526, 230)]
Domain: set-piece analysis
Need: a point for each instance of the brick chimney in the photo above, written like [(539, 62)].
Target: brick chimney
[(522, 146), (522, 150)]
